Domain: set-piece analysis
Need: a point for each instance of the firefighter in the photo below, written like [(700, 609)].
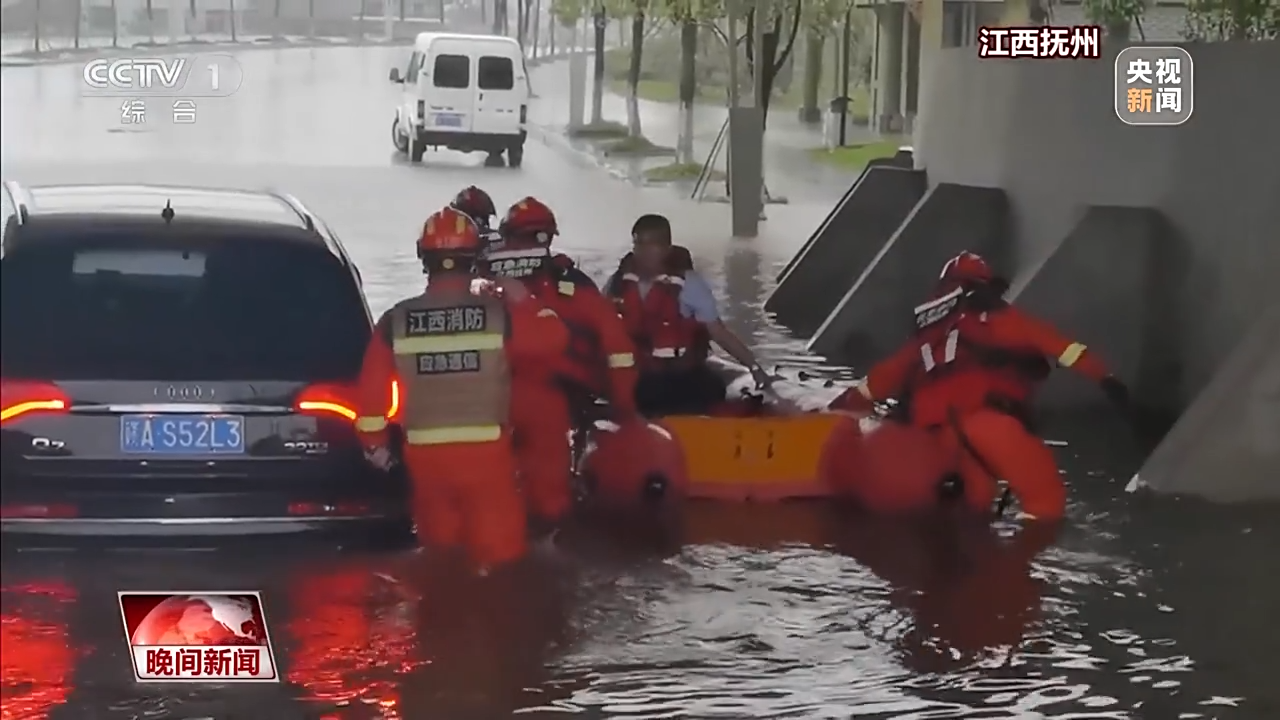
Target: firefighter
[(969, 376), (599, 363), (672, 315), (440, 365), (477, 205)]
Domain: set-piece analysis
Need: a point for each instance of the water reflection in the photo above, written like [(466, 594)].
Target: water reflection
[(350, 633), (36, 652)]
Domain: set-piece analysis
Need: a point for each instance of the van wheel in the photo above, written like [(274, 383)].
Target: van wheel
[(416, 148), (399, 139), (515, 155)]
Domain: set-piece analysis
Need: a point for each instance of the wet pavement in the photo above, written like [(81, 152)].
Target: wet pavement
[(1139, 609)]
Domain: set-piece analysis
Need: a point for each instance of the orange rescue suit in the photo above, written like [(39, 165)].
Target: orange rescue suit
[(599, 362), (970, 375), (440, 365), (663, 336)]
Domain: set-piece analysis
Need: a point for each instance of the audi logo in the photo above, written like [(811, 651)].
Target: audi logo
[(184, 392)]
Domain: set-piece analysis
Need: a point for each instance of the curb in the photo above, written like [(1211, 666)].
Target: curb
[(555, 138)]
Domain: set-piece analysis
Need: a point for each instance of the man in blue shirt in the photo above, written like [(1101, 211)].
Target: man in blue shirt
[(685, 385)]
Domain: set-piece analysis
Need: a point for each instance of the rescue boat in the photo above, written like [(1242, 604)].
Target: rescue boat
[(758, 449)]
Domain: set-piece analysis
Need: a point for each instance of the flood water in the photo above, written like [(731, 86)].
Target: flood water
[(1138, 608)]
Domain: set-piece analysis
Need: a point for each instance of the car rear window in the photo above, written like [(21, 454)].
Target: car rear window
[(452, 71), (495, 73), (242, 310)]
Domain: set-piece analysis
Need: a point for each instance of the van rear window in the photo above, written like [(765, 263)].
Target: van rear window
[(452, 71), (496, 73)]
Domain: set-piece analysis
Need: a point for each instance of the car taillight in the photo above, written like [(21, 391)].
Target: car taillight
[(23, 397), (524, 114), (422, 110), (38, 512), (325, 399)]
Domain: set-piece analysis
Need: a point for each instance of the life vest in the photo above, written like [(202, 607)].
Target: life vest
[(450, 358), (955, 350), (663, 336)]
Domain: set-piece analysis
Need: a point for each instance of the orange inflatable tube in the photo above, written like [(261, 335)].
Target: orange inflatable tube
[(884, 467)]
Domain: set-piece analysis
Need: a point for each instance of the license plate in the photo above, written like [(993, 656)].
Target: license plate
[(448, 120), (182, 434)]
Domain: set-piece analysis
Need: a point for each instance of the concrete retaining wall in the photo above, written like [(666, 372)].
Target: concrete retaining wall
[(1226, 446), (1133, 324), (875, 315), (843, 247), (1046, 133)]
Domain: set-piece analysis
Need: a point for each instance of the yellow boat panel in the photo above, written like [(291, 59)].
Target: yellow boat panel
[(759, 451)]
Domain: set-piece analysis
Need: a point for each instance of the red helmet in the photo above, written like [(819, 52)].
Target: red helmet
[(449, 230), (475, 203), (530, 218), (966, 268)]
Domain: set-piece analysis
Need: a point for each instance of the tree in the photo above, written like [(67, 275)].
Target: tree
[(37, 26), (79, 6), (275, 15), (115, 26), (151, 21), (1116, 16), (633, 72), (775, 50), (1209, 20), (231, 7), (689, 15)]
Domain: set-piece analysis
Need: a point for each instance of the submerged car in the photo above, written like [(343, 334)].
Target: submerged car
[(180, 362)]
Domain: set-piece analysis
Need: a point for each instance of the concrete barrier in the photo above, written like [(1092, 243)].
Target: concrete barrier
[(875, 315), (1111, 284), (1226, 446), (843, 246), (899, 160)]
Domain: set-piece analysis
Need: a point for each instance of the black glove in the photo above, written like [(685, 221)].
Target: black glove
[(1116, 391)]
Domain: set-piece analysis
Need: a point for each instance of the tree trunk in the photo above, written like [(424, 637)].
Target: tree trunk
[(115, 25), (402, 10), (773, 60), (275, 17), (1119, 30), (537, 26), (688, 86), (311, 17), (601, 22), (633, 74), (520, 23), (151, 22), (231, 5), (814, 45), (79, 11)]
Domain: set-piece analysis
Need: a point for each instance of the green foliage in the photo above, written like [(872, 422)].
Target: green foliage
[(824, 17), (856, 157), (678, 11), (678, 171), (569, 12), (1114, 13), (1232, 20)]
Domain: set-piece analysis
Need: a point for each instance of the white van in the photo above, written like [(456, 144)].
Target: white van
[(463, 92)]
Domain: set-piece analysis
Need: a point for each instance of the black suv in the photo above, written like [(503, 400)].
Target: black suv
[(180, 362)]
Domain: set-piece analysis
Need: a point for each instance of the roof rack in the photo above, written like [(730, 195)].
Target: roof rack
[(296, 206), (20, 198)]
